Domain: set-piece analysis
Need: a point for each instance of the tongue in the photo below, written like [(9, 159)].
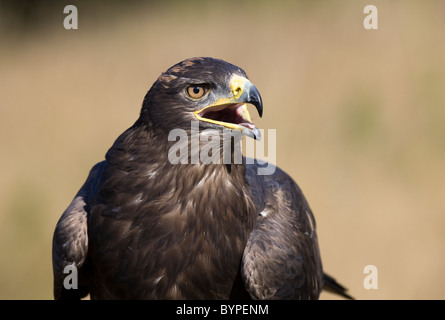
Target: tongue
[(247, 125)]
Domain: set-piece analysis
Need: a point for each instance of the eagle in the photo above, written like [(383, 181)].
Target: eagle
[(149, 224)]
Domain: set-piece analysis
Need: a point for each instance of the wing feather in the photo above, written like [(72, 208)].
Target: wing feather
[(281, 259), (70, 241)]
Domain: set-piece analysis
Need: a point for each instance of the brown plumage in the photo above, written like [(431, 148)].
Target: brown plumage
[(142, 227)]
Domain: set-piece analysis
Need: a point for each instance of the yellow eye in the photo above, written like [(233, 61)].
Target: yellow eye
[(196, 91)]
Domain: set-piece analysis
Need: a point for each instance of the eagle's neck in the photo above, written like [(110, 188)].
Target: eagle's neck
[(195, 217), (207, 182)]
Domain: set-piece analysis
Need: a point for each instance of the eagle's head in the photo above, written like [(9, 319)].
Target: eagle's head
[(208, 90)]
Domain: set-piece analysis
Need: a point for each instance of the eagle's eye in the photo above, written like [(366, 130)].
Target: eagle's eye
[(196, 91)]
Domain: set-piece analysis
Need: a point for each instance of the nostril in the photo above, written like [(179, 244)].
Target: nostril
[(237, 92)]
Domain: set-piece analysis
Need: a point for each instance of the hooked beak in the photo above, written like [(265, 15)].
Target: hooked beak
[(231, 112)]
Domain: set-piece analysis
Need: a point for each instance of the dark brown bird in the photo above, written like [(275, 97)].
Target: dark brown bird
[(157, 220)]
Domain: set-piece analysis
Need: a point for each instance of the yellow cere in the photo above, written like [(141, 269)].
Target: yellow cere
[(237, 85)]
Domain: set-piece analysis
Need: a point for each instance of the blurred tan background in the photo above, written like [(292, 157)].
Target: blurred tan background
[(360, 119)]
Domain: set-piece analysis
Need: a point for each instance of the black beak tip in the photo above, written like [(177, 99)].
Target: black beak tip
[(259, 107), (254, 97)]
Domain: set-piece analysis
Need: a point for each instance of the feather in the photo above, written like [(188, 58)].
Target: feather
[(142, 227)]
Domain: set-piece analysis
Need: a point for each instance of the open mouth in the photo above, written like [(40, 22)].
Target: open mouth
[(232, 116), (231, 112)]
